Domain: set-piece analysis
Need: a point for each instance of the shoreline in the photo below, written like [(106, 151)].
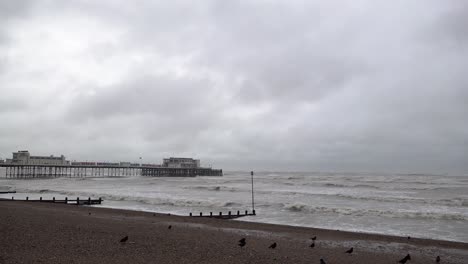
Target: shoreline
[(280, 224), (56, 233)]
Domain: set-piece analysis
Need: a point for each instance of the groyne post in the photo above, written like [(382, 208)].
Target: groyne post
[(253, 203)]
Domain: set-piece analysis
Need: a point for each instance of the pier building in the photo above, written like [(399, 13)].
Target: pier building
[(181, 163), (23, 157)]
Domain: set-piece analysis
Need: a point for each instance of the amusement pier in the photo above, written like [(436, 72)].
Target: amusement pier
[(23, 165)]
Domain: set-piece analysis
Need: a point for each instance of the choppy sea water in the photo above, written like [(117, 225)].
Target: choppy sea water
[(425, 206)]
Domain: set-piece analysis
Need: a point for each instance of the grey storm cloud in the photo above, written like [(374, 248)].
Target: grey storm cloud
[(274, 85)]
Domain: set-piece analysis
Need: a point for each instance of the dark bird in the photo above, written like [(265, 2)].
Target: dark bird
[(322, 261), (349, 251), (312, 245), (169, 227), (123, 240), (438, 259), (409, 237), (314, 238), (242, 242), (405, 259), (272, 246), (89, 213)]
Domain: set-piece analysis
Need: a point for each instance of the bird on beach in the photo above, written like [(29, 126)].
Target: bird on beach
[(272, 246), (314, 238), (123, 240), (312, 245), (405, 259), (438, 259), (242, 242), (322, 261), (169, 227), (349, 251)]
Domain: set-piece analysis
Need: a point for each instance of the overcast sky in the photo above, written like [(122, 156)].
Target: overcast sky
[(361, 85)]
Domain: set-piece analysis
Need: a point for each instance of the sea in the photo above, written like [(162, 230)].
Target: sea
[(416, 205)]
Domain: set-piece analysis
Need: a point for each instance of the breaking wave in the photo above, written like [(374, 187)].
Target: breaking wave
[(380, 213), (212, 188)]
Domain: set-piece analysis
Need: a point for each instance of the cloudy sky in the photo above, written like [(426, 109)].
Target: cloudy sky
[(361, 85)]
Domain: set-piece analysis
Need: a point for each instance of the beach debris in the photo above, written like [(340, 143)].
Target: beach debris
[(405, 259), (242, 242), (322, 261), (409, 237), (272, 246), (89, 213), (312, 245), (123, 240), (438, 259), (169, 227), (314, 238), (349, 251)]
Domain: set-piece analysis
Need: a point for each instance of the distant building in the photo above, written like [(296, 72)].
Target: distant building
[(181, 163), (23, 157)]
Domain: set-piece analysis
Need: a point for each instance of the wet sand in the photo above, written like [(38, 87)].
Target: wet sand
[(58, 233)]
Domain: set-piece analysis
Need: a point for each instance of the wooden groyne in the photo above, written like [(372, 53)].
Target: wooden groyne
[(76, 201), (17, 171), (229, 215)]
